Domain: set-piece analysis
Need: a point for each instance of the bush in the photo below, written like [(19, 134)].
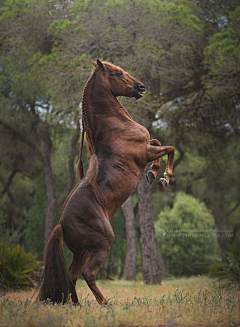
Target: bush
[(17, 268), (227, 265), (185, 236)]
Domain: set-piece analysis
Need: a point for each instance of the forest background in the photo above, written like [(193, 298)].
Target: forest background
[(187, 53)]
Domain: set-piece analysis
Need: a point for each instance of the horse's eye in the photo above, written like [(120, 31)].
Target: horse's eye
[(120, 73)]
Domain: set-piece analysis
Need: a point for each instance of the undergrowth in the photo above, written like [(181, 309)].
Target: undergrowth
[(17, 268), (200, 303)]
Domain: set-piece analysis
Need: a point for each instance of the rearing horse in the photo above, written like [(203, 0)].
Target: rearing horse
[(121, 149)]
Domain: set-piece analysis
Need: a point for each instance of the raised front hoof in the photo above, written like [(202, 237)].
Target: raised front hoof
[(162, 183), (150, 177)]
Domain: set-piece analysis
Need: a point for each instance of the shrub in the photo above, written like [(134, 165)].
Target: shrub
[(185, 236), (17, 268), (227, 265)]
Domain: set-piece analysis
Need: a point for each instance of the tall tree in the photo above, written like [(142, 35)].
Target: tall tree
[(131, 238), (30, 101), (152, 263)]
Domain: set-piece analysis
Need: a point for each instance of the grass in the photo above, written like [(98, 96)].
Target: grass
[(181, 302)]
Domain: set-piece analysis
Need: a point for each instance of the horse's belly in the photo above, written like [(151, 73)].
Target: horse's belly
[(117, 186)]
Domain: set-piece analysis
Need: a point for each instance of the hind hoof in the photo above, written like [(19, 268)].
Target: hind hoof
[(150, 177), (105, 302), (162, 183)]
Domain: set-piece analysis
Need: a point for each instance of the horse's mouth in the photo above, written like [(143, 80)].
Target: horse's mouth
[(138, 90), (139, 95)]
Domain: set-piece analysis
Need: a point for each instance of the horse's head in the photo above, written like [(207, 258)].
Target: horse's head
[(118, 81)]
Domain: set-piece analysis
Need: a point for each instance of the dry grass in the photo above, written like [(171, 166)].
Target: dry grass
[(181, 302)]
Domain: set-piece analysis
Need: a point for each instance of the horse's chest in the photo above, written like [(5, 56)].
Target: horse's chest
[(125, 142), (130, 133), (132, 144), (137, 135)]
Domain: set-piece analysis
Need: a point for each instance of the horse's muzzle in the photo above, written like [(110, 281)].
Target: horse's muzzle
[(138, 90)]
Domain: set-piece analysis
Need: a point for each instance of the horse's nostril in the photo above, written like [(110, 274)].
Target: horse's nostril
[(141, 87)]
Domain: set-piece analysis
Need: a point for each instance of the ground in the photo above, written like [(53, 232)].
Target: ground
[(194, 301)]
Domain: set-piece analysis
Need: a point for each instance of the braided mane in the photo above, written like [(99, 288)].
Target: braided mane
[(85, 129), (86, 126)]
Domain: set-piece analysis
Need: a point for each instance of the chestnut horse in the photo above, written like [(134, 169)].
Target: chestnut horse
[(120, 150)]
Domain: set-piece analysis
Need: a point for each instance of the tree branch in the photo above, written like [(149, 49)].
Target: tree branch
[(9, 182), (228, 214), (183, 89), (21, 137), (232, 210), (181, 155)]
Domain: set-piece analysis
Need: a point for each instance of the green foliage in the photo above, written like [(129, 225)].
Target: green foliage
[(13, 210), (186, 52), (222, 56), (10, 235), (227, 265), (223, 51), (185, 236), (18, 268), (181, 12), (11, 8)]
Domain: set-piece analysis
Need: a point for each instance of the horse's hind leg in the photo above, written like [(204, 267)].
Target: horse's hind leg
[(74, 270), (90, 272)]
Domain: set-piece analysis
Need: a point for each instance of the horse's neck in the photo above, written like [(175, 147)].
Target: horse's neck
[(101, 106)]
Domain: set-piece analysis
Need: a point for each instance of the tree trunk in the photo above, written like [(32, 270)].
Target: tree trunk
[(152, 264), (130, 262), (54, 203), (51, 201), (44, 155)]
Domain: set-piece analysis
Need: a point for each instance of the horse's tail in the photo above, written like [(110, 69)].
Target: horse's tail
[(55, 285)]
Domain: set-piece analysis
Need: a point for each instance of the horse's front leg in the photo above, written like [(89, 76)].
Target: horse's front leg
[(154, 168), (155, 153)]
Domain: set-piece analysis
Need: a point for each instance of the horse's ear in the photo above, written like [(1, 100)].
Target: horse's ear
[(100, 64), (94, 63)]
